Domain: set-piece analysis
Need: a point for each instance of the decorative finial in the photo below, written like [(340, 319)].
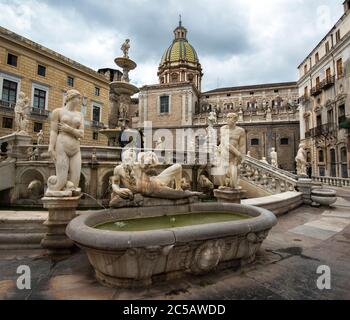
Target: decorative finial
[(180, 22)]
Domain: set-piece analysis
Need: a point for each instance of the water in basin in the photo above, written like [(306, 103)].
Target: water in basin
[(170, 221)]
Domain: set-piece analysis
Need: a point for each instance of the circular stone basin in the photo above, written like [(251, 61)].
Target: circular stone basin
[(133, 247), (121, 87), (324, 197)]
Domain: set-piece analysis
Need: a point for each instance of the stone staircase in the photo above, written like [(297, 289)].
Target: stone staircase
[(266, 177)]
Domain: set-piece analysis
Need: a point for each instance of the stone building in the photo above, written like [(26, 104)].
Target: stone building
[(45, 76), (268, 112), (324, 84)]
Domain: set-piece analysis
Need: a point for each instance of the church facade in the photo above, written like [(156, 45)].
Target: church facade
[(268, 112)]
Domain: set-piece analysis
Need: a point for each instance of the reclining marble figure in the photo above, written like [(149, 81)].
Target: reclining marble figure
[(131, 178)]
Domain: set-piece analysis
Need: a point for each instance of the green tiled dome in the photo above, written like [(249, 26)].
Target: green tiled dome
[(180, 50)]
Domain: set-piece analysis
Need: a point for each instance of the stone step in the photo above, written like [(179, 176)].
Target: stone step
[(20, 238), (21, 246)]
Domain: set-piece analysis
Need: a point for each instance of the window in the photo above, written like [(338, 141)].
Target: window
[(340, 68), (305, 69), (327, 47), (207, 97), (344, 162), (337, 36), (306, 91), (341, 114), (9, 91), (96, 113), (39, 99), (228, 95), (95, 135), (319, 120), (164, 104), (41, 70), (97, 91), (276, 91), (251, 93), (320, 156), (37, 126), (12, 60), (7, 123), (330, 116), (70, 81), (328, 73), (254, 142), (317, 82), (307, 124), (317, 57), (284, 141)]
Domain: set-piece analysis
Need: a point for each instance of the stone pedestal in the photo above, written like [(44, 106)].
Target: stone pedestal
[(61, 212), (305, 186), (16, 143), (229, 195)]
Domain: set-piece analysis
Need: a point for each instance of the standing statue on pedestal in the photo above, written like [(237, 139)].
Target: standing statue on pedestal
[(232, 152), (40, 137), (67, 129), (21, 112), (274, 159), (125, 48), (211, 132), (301, 161)]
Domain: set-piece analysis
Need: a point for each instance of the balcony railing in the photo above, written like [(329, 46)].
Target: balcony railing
[(39, 112), (328, 82), (7, 105), (315, 90), (324, 130), (97, 124)]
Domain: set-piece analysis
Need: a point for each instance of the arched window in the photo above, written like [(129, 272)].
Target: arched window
[(344, 162)]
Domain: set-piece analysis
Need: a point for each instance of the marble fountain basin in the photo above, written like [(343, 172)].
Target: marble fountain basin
[(160, 252)]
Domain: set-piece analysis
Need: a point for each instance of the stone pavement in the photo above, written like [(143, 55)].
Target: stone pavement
[(285, 268)]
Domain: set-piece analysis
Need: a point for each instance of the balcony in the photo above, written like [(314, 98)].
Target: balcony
[(315, 91), (7, 106), (97, 124), (304, 99), (324, 130), (328, 82), (39, 112)]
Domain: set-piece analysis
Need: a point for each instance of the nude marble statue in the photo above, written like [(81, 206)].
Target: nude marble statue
[(21, 112), (232, 152), (274, 159), (67, 129), (301, 161), (125, 48)]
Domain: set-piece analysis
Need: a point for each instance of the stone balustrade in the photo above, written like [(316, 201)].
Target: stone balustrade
[(332, 181)]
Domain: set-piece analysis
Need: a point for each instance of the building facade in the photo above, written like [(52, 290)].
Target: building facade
[(324, 84), (268, 112), (45, 76)]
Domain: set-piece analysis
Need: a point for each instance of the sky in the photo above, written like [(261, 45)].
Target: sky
[(239, 42)]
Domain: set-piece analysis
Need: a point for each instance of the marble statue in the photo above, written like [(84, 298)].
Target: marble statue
[(301, 161), (249, 154), (125, 48), (40, 139), (274, 159), (232, 152), (185, 185), (131, 178), (268, 114), (160, 144), (205, 184), (211, 132), (212, 119), (67, 129), (263, 160), (21, 112)]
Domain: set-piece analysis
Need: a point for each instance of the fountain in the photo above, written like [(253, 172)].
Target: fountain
[(123, 90)]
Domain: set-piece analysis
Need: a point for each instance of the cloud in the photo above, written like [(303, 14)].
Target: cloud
[(238, 41)]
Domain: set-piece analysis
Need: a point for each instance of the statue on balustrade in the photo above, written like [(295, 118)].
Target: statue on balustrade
[(274, 159), (21, 114), (40, 137), (301, 161), (67, 129), (232, 151)]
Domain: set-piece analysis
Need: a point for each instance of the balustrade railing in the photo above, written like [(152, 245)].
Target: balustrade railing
[(332, 181)]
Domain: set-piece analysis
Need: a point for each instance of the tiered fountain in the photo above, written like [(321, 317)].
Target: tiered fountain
[(124, 90)]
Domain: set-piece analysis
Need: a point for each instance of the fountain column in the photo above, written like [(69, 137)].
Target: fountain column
[(123, 90)]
